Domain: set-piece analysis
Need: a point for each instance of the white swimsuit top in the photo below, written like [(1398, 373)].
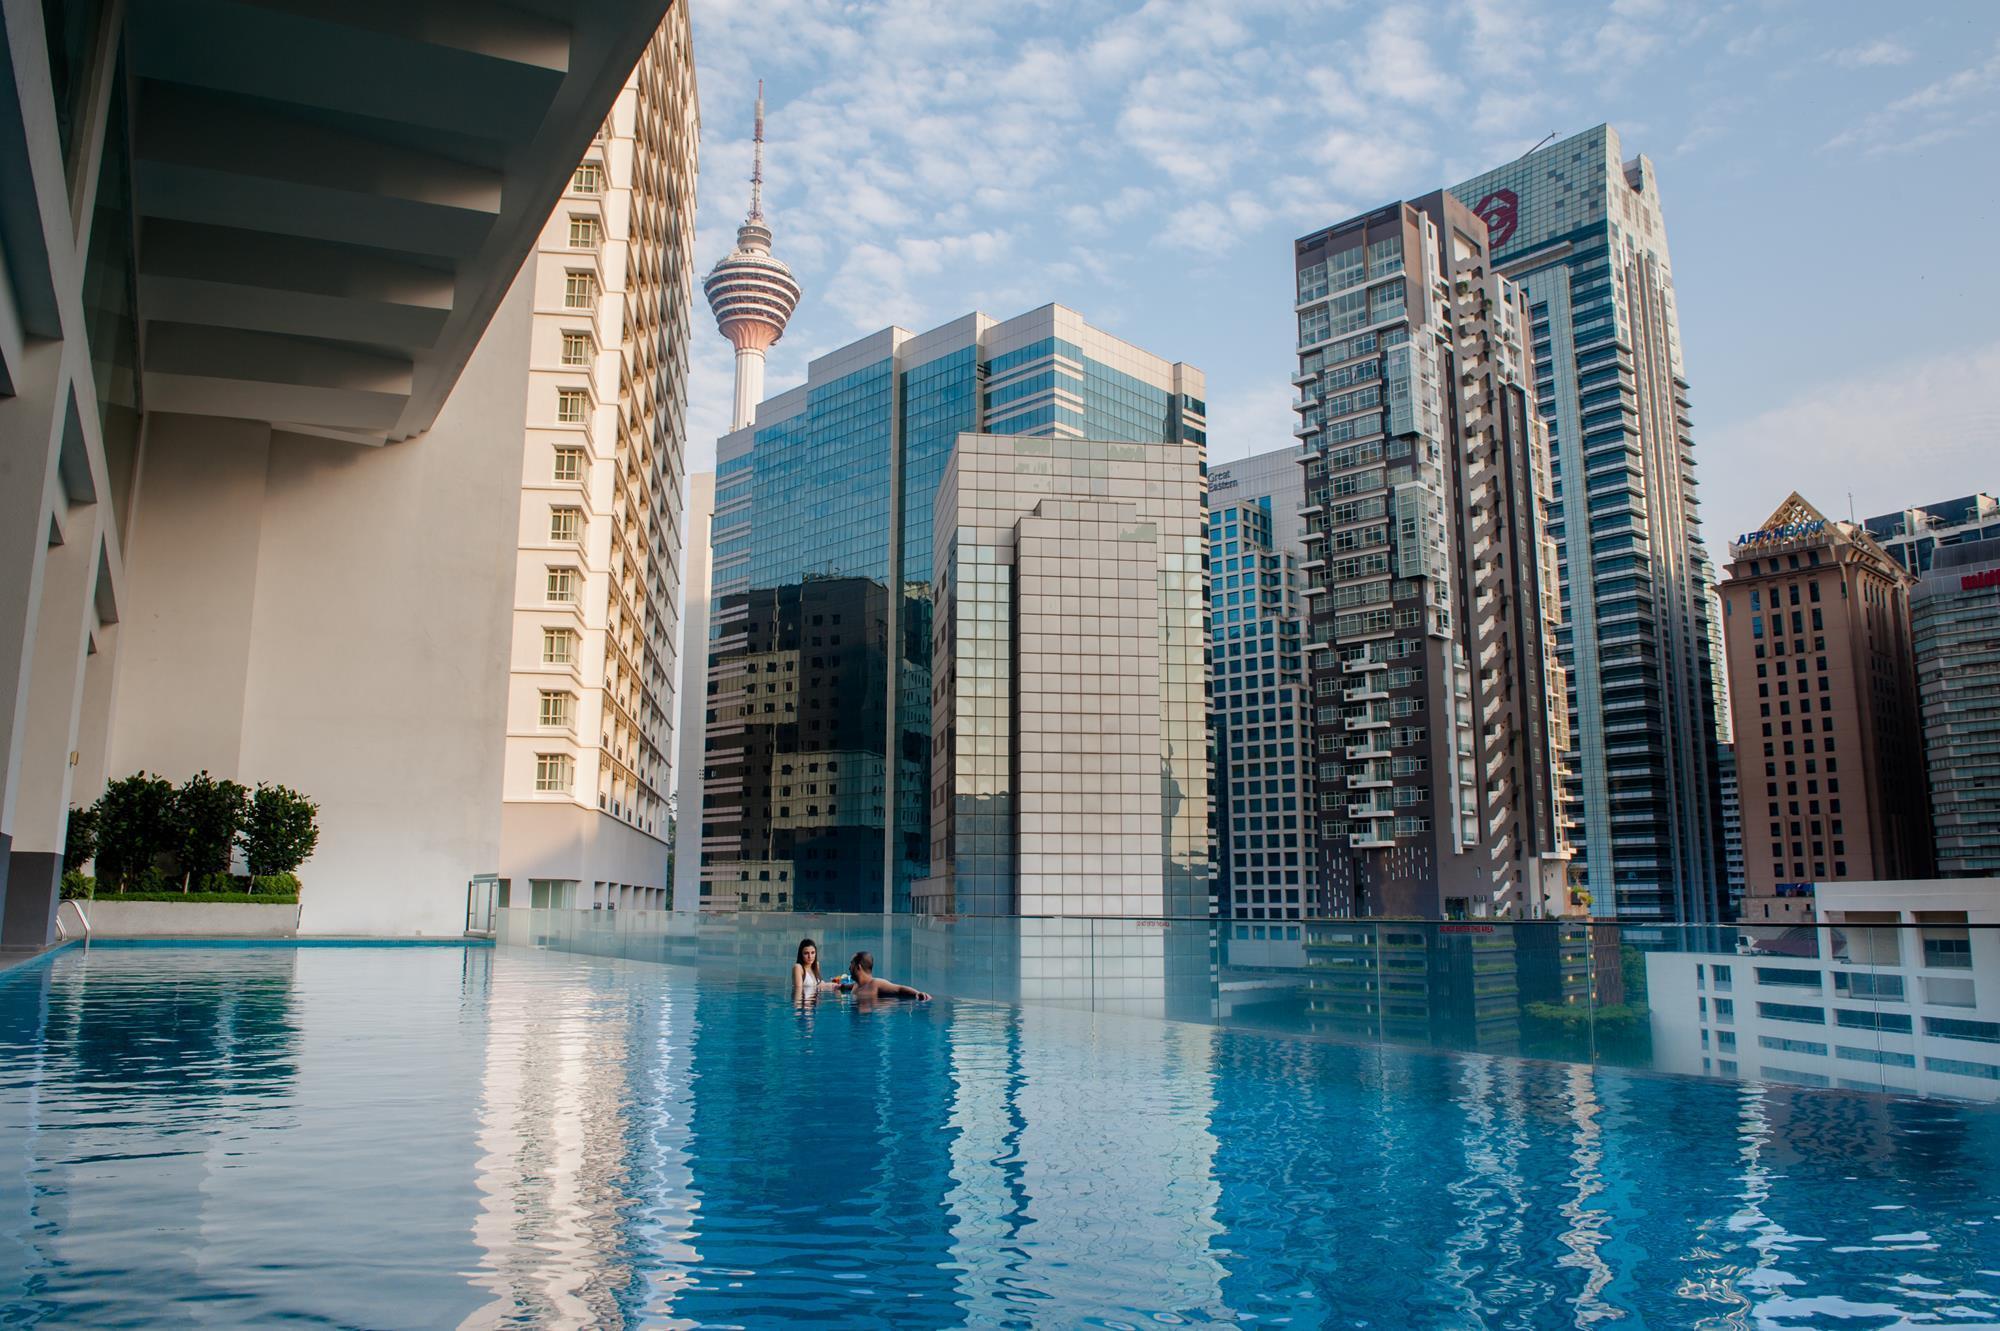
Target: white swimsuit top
[(808, 981)]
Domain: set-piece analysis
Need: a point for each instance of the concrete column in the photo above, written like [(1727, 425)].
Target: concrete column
[(55, 693), (29, 447), (93, 729)]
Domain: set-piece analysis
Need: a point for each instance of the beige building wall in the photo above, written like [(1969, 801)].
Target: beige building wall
[(308, 613)]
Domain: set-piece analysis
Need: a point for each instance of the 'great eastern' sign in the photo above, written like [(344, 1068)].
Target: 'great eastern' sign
[(1972, 582)]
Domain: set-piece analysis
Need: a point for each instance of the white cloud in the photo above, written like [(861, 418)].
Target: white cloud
[(1910, 434), (1881, 51), (1939, 111), (1256, 418), (1398, 63)]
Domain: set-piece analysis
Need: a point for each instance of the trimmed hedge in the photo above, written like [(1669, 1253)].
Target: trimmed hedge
[(209, 898)]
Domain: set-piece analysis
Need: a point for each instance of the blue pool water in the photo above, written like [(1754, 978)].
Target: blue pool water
[(384, 1137)]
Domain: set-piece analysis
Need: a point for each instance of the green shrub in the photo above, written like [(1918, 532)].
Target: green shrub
[(217, 882), (280, 884), (77, 887), (155, 879), (80, 839), (210, 898), (136, 824), (282, 830), (210, 813)]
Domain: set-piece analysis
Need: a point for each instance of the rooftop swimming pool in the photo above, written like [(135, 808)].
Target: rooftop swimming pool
[(491, 1137)]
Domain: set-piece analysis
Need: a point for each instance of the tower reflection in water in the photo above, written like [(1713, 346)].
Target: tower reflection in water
[(585, 1212)]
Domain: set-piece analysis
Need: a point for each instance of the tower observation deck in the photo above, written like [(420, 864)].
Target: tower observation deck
[(752, 292)]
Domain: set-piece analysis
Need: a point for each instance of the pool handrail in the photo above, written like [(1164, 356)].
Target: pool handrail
[(82, 918)]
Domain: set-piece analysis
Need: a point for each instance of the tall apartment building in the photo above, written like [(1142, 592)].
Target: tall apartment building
[(1732, 826), (1917, 536), (1822, 673), (1261, 704), (1955, 609), (1069, 764), (1434, 605), (590, 713), (1582, 232), (275, 535), (819, 719)]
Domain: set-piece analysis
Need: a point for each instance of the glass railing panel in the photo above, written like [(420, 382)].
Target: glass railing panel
[(1840, 1006)]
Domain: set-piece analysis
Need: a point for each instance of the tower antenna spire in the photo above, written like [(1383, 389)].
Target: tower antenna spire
[(757, 163)]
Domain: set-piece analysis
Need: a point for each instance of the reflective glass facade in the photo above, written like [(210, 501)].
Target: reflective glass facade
[(1261, 722), (1582, 232), (1956, 608), (819, 752)]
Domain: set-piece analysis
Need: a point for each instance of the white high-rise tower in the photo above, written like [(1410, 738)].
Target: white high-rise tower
[(752, 293)]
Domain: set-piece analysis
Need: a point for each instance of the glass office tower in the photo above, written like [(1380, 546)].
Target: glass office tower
[(817, 793), (1581, 230), (1262, 717)]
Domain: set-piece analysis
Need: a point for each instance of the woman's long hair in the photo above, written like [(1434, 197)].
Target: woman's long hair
[(800, 958)]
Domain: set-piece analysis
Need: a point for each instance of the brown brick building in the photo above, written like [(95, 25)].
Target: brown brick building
[(1822, 679)]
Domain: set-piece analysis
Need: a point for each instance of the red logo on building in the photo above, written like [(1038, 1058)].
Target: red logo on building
[(1972, 582), (1501, 211)]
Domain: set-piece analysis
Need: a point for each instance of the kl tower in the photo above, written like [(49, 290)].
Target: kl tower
[(752, 293)]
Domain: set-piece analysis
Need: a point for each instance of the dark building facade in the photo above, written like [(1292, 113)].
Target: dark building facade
[(1432, 613)]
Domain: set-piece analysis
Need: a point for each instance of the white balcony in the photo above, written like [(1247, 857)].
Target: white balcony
[(1376, 839)]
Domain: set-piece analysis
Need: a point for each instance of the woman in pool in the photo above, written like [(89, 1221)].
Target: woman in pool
[(806, 979), (868, 989)]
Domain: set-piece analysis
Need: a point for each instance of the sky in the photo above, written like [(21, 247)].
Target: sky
[(1827, 170)]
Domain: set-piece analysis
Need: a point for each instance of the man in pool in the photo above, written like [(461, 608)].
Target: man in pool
[(868, 989)]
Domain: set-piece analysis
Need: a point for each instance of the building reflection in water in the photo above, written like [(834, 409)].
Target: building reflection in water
[(1083, 1185), (558, 1156)]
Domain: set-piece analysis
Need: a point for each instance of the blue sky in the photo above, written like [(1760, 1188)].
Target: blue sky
[(1828, 172)]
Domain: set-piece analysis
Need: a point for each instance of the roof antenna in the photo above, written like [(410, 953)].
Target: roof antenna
[(757, 163), (1538, 147)]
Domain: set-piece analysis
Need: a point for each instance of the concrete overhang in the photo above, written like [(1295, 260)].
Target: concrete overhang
[(332, 196)]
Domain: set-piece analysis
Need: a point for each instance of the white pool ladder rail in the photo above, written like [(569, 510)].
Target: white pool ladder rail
[(82, 919)]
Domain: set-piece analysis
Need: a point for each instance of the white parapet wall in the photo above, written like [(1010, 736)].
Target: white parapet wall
[(193, 919)]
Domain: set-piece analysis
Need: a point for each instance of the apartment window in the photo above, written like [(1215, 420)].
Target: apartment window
[(572, 406), (589, 178), (584, 232), (558, 709), (558, 647), (569, 464), (562, 586), (576, 348), (565, 524), (580, 291), (555, 772)]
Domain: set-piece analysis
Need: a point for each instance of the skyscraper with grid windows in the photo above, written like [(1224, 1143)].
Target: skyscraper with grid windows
[(819, 745), (1580, 229)]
